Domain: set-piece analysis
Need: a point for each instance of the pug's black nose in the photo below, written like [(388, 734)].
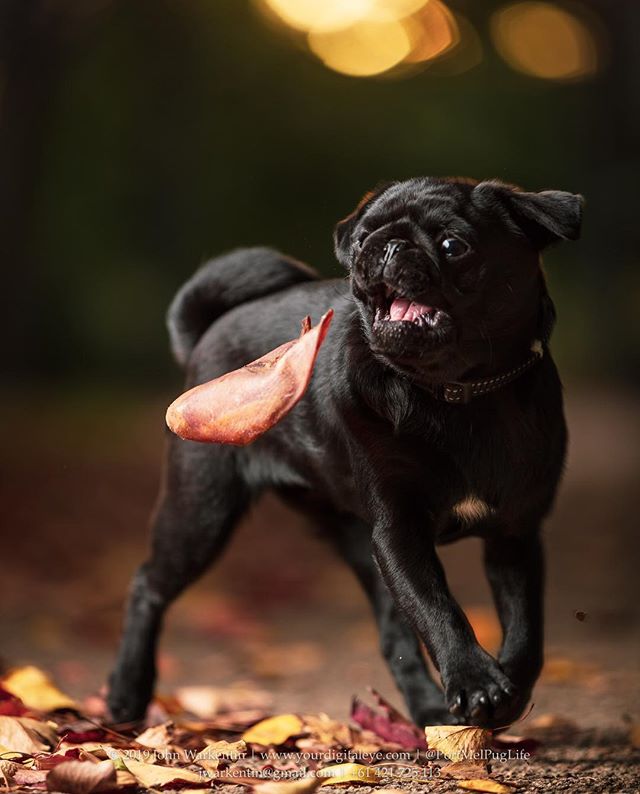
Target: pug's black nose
[(391, 249)]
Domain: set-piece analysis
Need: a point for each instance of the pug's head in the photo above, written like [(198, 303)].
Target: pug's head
[(446, 272)]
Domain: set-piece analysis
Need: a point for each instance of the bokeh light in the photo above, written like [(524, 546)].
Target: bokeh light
[(434, 32), (320, 15), (545, 41), (363, 49), (362, 38)]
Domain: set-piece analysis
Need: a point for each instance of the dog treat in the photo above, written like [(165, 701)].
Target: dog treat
[(240, 406)]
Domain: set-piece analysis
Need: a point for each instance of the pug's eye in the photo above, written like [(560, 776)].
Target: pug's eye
[(453, 247)]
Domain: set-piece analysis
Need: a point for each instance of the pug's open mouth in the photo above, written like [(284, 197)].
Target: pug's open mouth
[(394, 309)]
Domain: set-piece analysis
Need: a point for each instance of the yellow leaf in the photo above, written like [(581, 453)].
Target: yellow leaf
[(458, 742), (349, 773), (36, 690), (489, 786), (304, 785), (124, 778), (6, 754), (232, 750), (82, 777), (24, 735), (152, 775), (275, 730)]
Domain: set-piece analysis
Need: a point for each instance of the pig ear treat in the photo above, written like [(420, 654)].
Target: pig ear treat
[(240, 406)]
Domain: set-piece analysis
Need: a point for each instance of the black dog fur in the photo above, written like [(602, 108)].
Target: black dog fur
[(386, 470)]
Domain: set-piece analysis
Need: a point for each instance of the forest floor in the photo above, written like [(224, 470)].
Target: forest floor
[(282, 616)]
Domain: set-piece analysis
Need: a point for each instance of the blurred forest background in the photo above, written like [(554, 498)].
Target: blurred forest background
[(138, 138)]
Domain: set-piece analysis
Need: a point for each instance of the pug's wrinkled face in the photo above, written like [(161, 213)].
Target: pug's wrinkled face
[(446, 270)]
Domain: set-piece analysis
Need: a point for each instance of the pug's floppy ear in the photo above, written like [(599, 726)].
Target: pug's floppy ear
[(545, 217), (343, 232)]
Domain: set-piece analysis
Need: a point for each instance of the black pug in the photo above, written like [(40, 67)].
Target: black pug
[(434, 413)]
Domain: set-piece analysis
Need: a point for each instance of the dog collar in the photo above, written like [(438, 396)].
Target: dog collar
[(462, 392)]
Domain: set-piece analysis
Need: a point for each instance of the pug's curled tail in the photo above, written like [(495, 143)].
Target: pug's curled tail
[(222, 283)]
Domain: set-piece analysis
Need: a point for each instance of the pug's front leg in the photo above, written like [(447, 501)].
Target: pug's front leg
[(476, 688)]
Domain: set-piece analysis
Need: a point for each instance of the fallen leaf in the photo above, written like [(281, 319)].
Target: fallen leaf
[(10, 705), (26, 735), (490, 786), (304, 785), (44, 761), (240, 406), (387, 722), (230, 750), (158, 736), (464, 770), (208, 701), (324, 732), (36, 690), (154, 776), (29, 777), (458, 742), (348, 773), (274, 730), (8, 770), (82, 777)]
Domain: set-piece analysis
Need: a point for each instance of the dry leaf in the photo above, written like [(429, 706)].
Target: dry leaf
[(154, 776), (215, 750), (490, 786), (275, 730), (157, 737), (29, 777), (8, 770), (464, 770), (36, 690), (458, 742), (387, 722), (82, 777), (348, 773), (324, 732), (25, 735), (208, 701), (304, 785)]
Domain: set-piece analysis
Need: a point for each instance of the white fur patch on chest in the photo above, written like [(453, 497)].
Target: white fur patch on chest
[(471, 509)]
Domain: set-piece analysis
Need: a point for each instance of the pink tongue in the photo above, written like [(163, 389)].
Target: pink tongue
[(406, 310)]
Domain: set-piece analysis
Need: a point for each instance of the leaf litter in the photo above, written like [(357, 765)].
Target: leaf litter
[(203, 738)]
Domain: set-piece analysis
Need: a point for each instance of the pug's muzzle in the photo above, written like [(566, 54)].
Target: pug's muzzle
[(400, 288)]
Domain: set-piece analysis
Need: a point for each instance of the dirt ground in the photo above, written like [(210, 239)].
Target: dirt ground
[(282, 612)]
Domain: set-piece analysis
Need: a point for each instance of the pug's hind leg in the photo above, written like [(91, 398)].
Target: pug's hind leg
[(202, 501)]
